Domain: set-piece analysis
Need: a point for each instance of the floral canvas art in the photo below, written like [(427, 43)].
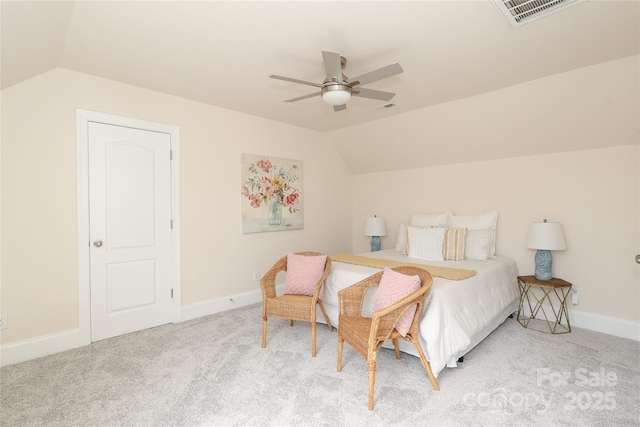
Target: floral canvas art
[(271, 194)]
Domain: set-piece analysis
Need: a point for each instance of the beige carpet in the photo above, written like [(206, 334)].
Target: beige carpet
[(212, 372)]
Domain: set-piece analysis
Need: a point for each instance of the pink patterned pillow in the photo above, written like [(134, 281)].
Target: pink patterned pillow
[(303, 273), (393, 287)]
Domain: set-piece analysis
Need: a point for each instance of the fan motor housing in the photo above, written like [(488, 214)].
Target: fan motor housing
[(330, 87)]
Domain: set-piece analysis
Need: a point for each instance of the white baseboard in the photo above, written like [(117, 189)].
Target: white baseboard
[(21, 351), (43, 346), (218, 305), (605, 324), (597, 322)]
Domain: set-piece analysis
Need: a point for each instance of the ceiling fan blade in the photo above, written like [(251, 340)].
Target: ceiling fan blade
[(287, 79), (300, 98), (332, 65), (379, 74), (373, 94), (337, 108)]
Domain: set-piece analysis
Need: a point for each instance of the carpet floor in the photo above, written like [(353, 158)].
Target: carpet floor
[(212, 372)]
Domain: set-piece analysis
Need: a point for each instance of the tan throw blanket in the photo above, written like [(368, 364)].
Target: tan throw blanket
[(445, 272)]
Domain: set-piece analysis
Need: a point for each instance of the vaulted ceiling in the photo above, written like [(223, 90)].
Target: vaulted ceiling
[(222, 52)]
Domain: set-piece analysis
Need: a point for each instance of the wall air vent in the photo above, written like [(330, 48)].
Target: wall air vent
[(518, 12)]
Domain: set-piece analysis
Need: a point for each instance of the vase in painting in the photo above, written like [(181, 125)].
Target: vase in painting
[(275, 211)]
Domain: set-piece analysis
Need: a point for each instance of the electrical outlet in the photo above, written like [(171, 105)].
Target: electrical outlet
[(575, 297), (4, 323), (256, 276)]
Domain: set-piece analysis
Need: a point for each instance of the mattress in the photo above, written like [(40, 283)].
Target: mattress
[(457, 313)]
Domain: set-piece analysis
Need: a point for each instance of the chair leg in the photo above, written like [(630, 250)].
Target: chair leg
[(395, 345), (313, 339), (324, 313), (290, 322), (372, 381), (264, 331), (426, 365), (340, 345)]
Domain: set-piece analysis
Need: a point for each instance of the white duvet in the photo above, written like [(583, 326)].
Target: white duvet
[(456, 313)]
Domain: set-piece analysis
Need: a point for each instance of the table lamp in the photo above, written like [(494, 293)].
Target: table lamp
[(545, 237), (375, 228)]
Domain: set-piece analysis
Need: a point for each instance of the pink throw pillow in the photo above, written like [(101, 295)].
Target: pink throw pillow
[(393, 287), (303, 273)]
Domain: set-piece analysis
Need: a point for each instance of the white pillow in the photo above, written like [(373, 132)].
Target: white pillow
[(425, 243), (401, 241), (478, 244), (430, 220), (478, 222)]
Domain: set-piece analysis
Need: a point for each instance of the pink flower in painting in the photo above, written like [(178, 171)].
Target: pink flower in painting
[(264, 164), (255, 201), (292, 199), (245, 191), (266, 188)]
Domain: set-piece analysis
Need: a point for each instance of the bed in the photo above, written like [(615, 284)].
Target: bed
[(457, 315)]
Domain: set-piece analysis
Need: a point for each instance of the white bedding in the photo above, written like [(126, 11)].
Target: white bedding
[(456, 315)]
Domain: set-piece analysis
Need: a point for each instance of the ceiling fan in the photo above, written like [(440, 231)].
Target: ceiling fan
[(337, 88)]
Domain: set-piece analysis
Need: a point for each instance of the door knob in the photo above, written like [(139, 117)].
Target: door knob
[(97, 243), (638, 259)]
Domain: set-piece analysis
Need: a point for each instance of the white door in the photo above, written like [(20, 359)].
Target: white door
[(130, 229)]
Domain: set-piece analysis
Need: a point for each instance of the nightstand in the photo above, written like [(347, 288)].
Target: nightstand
[(554, 291)]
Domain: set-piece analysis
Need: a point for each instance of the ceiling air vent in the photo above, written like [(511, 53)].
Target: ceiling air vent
[(518, 12), (383, 106)]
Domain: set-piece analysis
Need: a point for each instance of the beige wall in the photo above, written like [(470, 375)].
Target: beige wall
[(592, 107), (594, 194), (39, 230)]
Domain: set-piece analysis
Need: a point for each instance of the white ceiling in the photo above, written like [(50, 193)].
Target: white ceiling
[(222, 53)]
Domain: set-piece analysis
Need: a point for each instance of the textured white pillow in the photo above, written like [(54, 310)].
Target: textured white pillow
[(401, 241), (425, 243), (481, 221), (478, 244), (430, 220)]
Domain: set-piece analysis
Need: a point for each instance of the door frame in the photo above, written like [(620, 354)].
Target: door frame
[(83, 117)]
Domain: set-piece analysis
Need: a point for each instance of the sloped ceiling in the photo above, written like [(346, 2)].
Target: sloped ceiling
[(222, 53)]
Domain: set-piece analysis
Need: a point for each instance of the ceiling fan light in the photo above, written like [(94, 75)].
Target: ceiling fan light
[(336, 94)]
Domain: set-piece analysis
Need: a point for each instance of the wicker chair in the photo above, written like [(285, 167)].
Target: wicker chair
[(367, 334), (292, 307)]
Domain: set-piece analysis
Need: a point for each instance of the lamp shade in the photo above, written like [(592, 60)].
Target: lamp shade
[(546, 236), (336, 94), (375, 227)]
